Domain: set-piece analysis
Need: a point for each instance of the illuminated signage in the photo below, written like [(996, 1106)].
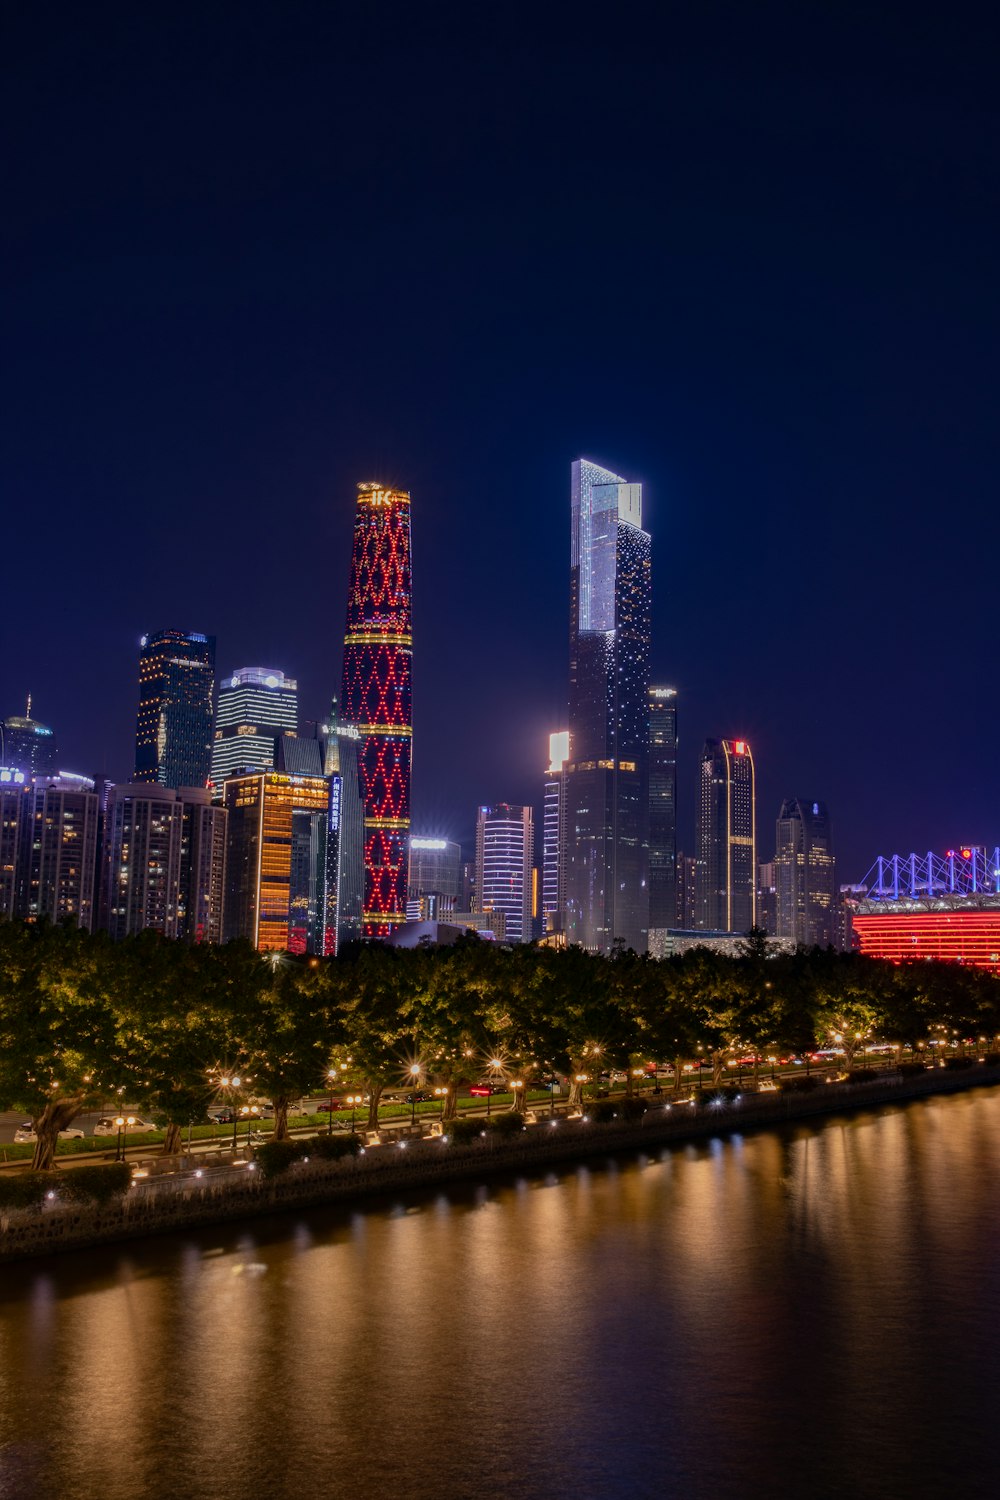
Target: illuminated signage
[(428, 843), (10, 776), (335, 784), (740, 747)]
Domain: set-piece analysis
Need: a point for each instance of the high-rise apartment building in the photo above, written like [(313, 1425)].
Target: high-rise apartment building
[(141, 861), (805, 874), (11, 797), (767, 898), (276, 854), (607, 812), (377, 693), (662, 807), (27, 746), (343, 906), (59, 850), (173, 734), (256, 705), (554, 835), (727, 838), (202, 867), (504, 846)]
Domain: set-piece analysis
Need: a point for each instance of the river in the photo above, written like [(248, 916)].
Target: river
[(807, 1312)]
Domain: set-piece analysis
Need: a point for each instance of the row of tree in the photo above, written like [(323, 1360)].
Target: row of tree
[(161, 1023)]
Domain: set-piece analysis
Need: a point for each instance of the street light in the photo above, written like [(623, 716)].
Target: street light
[(354, 1100), (331, 1078), (581, 1079), (517, 1084), (442, 1094), (249, 1110), (123, 1122), (233, 1084), (415, 1076), (496, 1066)]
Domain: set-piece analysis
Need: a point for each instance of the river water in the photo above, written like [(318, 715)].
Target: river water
[(813, 1312)]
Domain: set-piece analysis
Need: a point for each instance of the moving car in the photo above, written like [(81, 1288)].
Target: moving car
[(25, 1134)]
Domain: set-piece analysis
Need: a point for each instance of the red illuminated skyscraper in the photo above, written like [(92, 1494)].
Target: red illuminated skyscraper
[(378, 649)]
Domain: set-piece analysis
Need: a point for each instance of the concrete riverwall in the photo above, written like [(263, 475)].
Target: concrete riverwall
[(163, 1205)]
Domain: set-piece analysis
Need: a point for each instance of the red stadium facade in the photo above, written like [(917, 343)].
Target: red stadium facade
[(377, 695), (961, 935)]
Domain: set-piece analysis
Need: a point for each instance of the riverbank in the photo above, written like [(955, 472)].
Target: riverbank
[(170, 1203)]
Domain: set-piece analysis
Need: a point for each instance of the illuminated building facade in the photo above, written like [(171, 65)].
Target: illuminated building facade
[(256, 705), (504, 848), (59, 849), (28, 746), (662, 807), (914, 907), (377, 693), (276, 860), (435, 869), (173, 734), (805, 876), (202, 868), (554, 835), (607, 812), (727, 838), (141, 861)]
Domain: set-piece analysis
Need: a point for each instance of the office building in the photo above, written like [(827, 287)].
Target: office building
[(504, 845), (256, 706), (141, 861), (27, 746), (805, 874), (554, 835), (727, 838), (173, 735), (607, 813), (377, 693), (767, 898), (435, 869), (662, 806), (344, 897), (276, 848), (58, 850), (12, 787)]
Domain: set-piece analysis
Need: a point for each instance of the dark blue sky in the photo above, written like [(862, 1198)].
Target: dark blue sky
[(744, 253)]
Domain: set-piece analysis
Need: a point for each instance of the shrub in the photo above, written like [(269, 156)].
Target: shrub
[(955, 1064), (334, 1147), (634, 1109), (604, 1112), (26, 1190), (911, 1069), (275, 1157), (798, 1085), (464, 1132), (95, 1184), (504, 1125)]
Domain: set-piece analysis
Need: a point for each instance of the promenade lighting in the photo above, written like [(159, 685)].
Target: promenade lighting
[(331, 1079), (415, 1077), (517, 1084), (496, 1068), (123, 1122), (581, 1079), (250, 1111), (442, 1094), (354, 1100), (233, 1084)]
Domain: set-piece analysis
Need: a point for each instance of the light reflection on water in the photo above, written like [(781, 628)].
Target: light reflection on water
[(815, 1312)]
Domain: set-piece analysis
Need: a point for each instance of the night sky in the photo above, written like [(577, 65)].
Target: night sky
[(745, 253)]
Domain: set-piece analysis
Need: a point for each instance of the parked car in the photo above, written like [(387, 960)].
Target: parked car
[(108, 1125), (222, 1116), (25, 1134), (420, 1096), (481, 1090)]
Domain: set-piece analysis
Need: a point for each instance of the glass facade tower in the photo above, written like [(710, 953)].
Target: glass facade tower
[(505, 842), (554, 835), (662, 807), (256, 705), (727, 838), (377, 693), (173, 733), (805, 876), (607, 814)]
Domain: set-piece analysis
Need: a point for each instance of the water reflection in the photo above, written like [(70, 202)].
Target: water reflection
[(811, 1312)]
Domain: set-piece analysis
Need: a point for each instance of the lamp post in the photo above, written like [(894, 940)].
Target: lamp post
[(123, 1122), (415, 1078), (330, 1078), (517, 1084), (354, 1100), (496, 1066), (442, 1094), (233, 1084), (249, 1110), (581, 1079)]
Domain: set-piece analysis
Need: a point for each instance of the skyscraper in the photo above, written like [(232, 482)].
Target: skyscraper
[(727, 838), (202, 867), (607, 814), (26, 745), (504, 845), (59, 850), (435, 870), (276, 860), (256, 705), (662, 807), (805, 874), (343, 906), (377, 694), (141, 861), (554, 835), (173, 733)]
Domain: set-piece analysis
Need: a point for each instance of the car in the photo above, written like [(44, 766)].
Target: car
[(222, 1116), (420, 1096), (482, 1090), (108, 1125), (25, 1134)]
